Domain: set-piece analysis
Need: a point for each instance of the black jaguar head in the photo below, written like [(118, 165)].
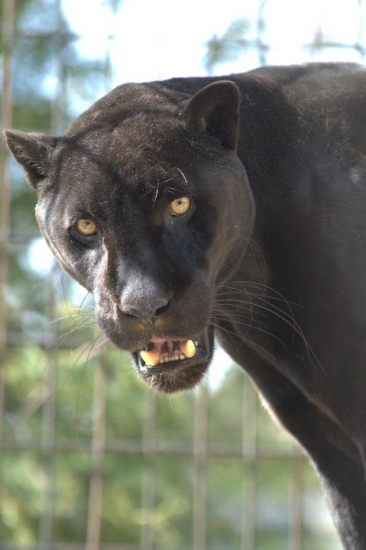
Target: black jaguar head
[(145, 203)]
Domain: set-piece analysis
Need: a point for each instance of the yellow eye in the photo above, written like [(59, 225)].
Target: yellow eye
[(180, 206), (86, 227)]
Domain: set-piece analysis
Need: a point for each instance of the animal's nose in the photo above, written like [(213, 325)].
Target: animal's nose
[(145, 311)]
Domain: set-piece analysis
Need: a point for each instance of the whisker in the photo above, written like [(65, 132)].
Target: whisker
[(251, 326), (232, 334), (175, 168), (261, 302), (90, 347), (63, 318), (83, 300)]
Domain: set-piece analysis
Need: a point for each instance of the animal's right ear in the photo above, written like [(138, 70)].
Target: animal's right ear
[(32, 151)]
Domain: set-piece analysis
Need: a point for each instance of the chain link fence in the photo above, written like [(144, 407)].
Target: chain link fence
[(89, 459)]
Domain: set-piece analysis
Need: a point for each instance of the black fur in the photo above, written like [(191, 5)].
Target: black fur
[(270, 257)]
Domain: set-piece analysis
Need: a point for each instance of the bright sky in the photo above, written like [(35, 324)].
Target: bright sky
[(156, 39)]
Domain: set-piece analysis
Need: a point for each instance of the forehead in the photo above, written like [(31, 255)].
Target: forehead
[(124, 154), (141, 147), (112, 168)]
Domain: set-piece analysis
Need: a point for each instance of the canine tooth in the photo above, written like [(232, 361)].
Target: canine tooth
[(188, 348), (151, 358)]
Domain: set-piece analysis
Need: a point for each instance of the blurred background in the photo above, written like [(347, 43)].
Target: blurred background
[(89, 459)]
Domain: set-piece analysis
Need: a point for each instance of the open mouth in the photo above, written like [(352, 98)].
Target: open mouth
[(159, 351), (174, 365)]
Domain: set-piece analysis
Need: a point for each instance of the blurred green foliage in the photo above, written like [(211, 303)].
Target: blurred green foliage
[(229, 473)]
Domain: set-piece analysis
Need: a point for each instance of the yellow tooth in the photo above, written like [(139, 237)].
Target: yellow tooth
[(151, 358), (188, 348)]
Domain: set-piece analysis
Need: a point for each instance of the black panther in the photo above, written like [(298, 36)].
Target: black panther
[(231, 208)]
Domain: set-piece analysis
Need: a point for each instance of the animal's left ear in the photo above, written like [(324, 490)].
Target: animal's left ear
[(32, 151), (214, 110)]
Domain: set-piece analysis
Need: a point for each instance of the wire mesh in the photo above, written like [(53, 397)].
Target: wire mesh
[(89, 459)]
